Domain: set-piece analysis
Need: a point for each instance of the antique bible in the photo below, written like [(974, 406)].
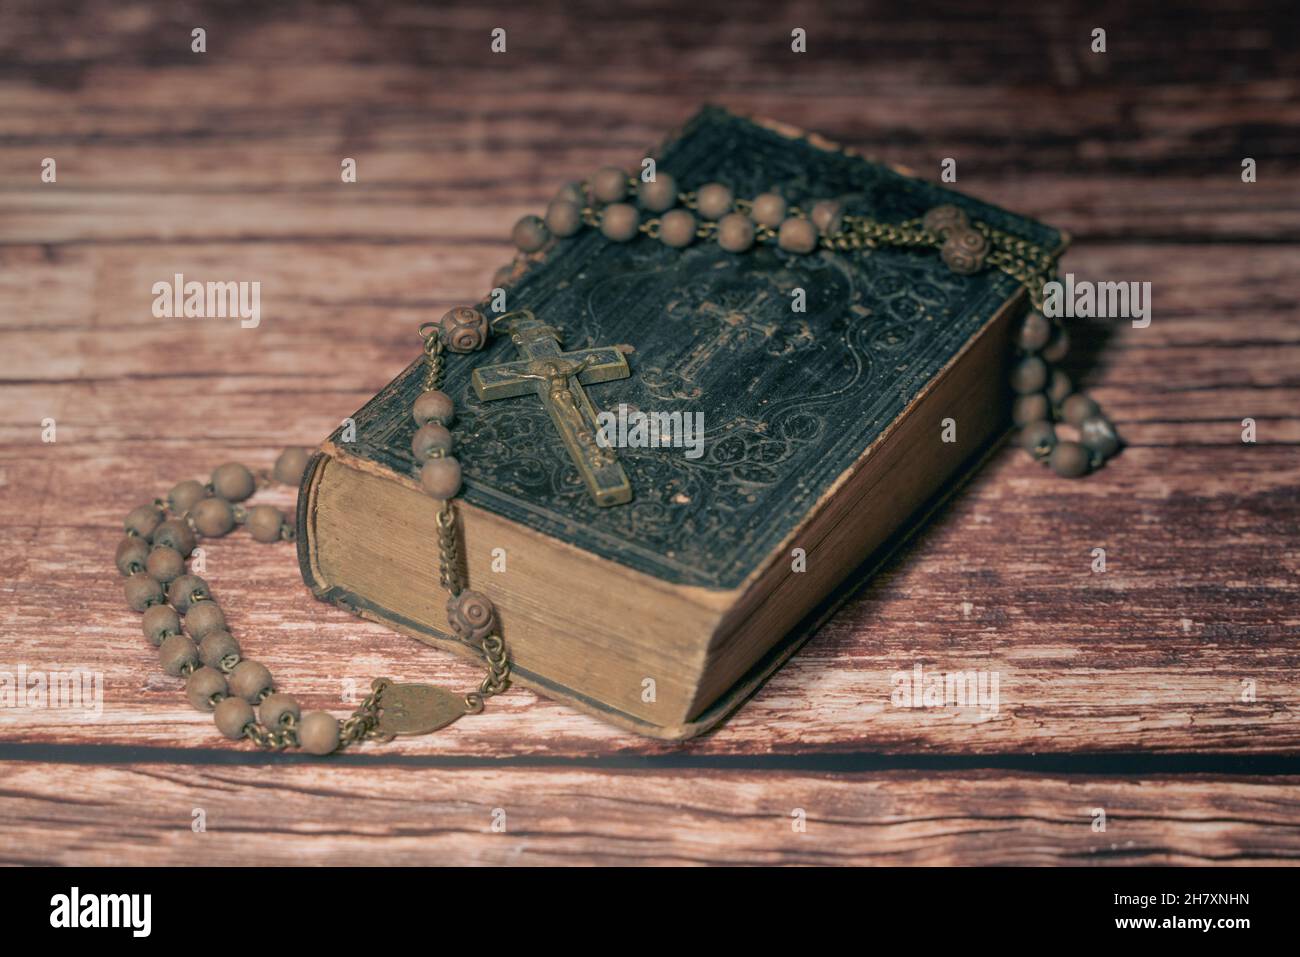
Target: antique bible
[(842, 396)]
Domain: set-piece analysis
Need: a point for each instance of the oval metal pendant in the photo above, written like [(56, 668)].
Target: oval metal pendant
[(417, 709)]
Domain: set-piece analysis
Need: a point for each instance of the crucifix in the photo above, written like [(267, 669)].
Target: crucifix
[(557, 378)]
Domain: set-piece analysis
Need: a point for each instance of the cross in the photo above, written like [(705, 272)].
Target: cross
[(557, 378)]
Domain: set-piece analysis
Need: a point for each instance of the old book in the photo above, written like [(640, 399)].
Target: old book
[(824, 444)]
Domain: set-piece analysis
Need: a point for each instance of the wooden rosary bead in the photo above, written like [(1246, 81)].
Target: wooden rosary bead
[(428, 439), (204, 618), (1038, 438), (1069, 459), (1029, 375), (202, 685), (620, 222), (264, 523), (440, 477), (563, 218), (213, 517), (142, 590), (471, 615), (1030, 408), (828, 216), (276, 707), (1057, 349), (132, 554), (1035, 332), (233, 482), (571, 193), (942, 219), (318, 733), (177, 534), (797, 236), (463, 330), (187, 590), (1077, 408), (768, 210), (184, 494), (609, 184), (1059, 389), (216, 647), (177, 654), (964, 251), (713, 200), (1098, 436), (735, 232), (530, 234), (143, 521), (290, 466), (160, 622), (433, 406), (659, 195), (250, 680), (165, 563), (677, 228), (232, 716)]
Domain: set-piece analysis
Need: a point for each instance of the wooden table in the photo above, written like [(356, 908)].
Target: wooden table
[(1124, 691)]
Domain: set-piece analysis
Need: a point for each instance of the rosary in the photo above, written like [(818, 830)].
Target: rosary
[(189, 628)]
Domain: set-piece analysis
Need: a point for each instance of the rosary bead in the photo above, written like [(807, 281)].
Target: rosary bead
[(1035, 332), (571, 193), (563, 218), (609, 184), (769, 209), (160, 622), (530, 234), (203, 618), (942, 219), (1077, 408), (165, 563), (1069, 459), (202, 685), (213, 517), (184, 494), (463, 330), (176, 654), (433, 406), (828, 216), (660, 195), (143, 521), (471, 615), (797, 236), (441, 477), (290, 465), (1098, 436), (1038, 438), (142, 590), (276, 707), (964, 251), (429, 438), (232, 716), (264, 523), (217, 646), (677, 228), (1059, 389), (187, 590), (318, 732), (713, 200), (132, 554), (233, 482), (177, 534), (250, 680), (620, 222), (1029, 375), (1030, 408), (735, 232), (1056, 349)]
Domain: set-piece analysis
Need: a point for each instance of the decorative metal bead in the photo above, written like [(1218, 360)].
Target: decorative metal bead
[(563, 218), (530, 234), (290, 466), (1098, 436), (204, 618), (233, 482), (463, 329), (1077, 408), (1038, 439), (216, 647), (430, 438), (177, 655), (275, 708), (440, 477), (943, 219), (1030, 408), (964, 251), (735, 232), (659, 195), (1060, 387), (609, 184), (1035, 332), (184, 494), (620, 222), (250, 680), (471, 615), (318, 733), (232, 716), (202, 685), (677, 228), (713, 200), (264, 523), (1057, 349), (768, 209), (142, 590), (187, 590), (797, 236), (828, 216), (143, 521), (1029, 375), (176, 534), (160, 622), (131, 555), (1069, 459), (165, 563), (433, 406), (213, 517)]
